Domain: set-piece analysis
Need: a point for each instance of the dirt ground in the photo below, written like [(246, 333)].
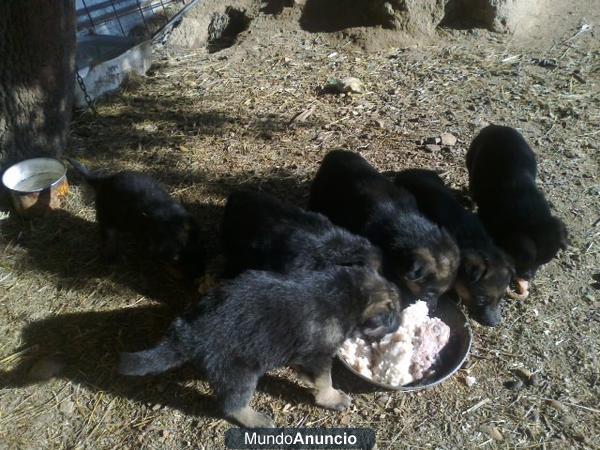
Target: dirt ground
[(207, 123)]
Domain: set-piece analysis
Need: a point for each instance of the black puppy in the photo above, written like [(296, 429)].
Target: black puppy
[(260, 232), (484, 272), (417, 254), (260, 321), (135, 203), (502, 171)]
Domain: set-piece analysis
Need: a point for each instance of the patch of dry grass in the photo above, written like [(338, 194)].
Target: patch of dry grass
[(206, 124)]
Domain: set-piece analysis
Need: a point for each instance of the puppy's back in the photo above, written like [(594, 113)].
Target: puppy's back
[(261, 232), (348, 189), (437, 202), (500, 155), (249, 212)]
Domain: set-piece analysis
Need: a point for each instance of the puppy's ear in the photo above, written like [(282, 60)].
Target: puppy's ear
[(475, 267), (377, 307)]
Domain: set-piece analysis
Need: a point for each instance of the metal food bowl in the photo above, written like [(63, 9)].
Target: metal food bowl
[(36, 185), (450, 359)]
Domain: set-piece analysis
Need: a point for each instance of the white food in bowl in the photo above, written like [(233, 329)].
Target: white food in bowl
[(403, 356)]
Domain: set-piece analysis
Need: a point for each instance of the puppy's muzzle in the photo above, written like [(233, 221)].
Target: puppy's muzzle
[(489, 316)]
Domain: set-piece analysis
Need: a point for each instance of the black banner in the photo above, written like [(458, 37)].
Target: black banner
[(300, 438)]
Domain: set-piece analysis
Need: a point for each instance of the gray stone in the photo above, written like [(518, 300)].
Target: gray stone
[(433, 148), (448, 139)]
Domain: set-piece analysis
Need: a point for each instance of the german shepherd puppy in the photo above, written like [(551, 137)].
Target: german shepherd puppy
[(417, 255), (260, 232), (502, 171), (134, 203), (484, 272), (260, 321)]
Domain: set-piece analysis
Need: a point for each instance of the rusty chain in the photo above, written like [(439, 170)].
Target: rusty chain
[(86, 96)]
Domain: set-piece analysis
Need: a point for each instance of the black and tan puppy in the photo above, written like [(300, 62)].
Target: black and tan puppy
[(417, 254), (136, 204), (484, 272), (260, 232), (260, 321), (502, 172)]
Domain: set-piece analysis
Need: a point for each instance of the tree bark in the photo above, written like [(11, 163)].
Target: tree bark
[(37, 71)]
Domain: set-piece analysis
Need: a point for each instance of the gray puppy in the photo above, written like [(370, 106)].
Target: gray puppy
[(260, 321)]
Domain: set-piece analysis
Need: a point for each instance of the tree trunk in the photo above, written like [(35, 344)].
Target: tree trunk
[(37, 69)]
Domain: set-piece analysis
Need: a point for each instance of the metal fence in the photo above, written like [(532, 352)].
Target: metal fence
[(120, 16)]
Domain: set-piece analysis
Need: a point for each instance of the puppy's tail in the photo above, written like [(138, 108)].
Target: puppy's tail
[(86, 173), (156, 360)]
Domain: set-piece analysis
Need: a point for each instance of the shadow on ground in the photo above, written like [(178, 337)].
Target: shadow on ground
[(145, 118), (276, 6), (68, 247), (326, 16), (88, 345)]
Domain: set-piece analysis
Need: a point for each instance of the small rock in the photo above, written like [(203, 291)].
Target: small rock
[(470, 381), (148, 127), (432, 148), (514, 385), (546, 63), (569, 421), (45, 368), (345, 85), (492, 432), (480, 123), (156, 407), (573, 154), (383, 399), (433, 140), (531, 378), (67, 407), (448, 139), (579, 436), (388, 9), (523, 374), (164, 434), (555, 404), (534, 380)]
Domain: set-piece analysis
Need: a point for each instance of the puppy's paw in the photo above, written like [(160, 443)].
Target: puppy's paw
[(333, 399), (249, 418)]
